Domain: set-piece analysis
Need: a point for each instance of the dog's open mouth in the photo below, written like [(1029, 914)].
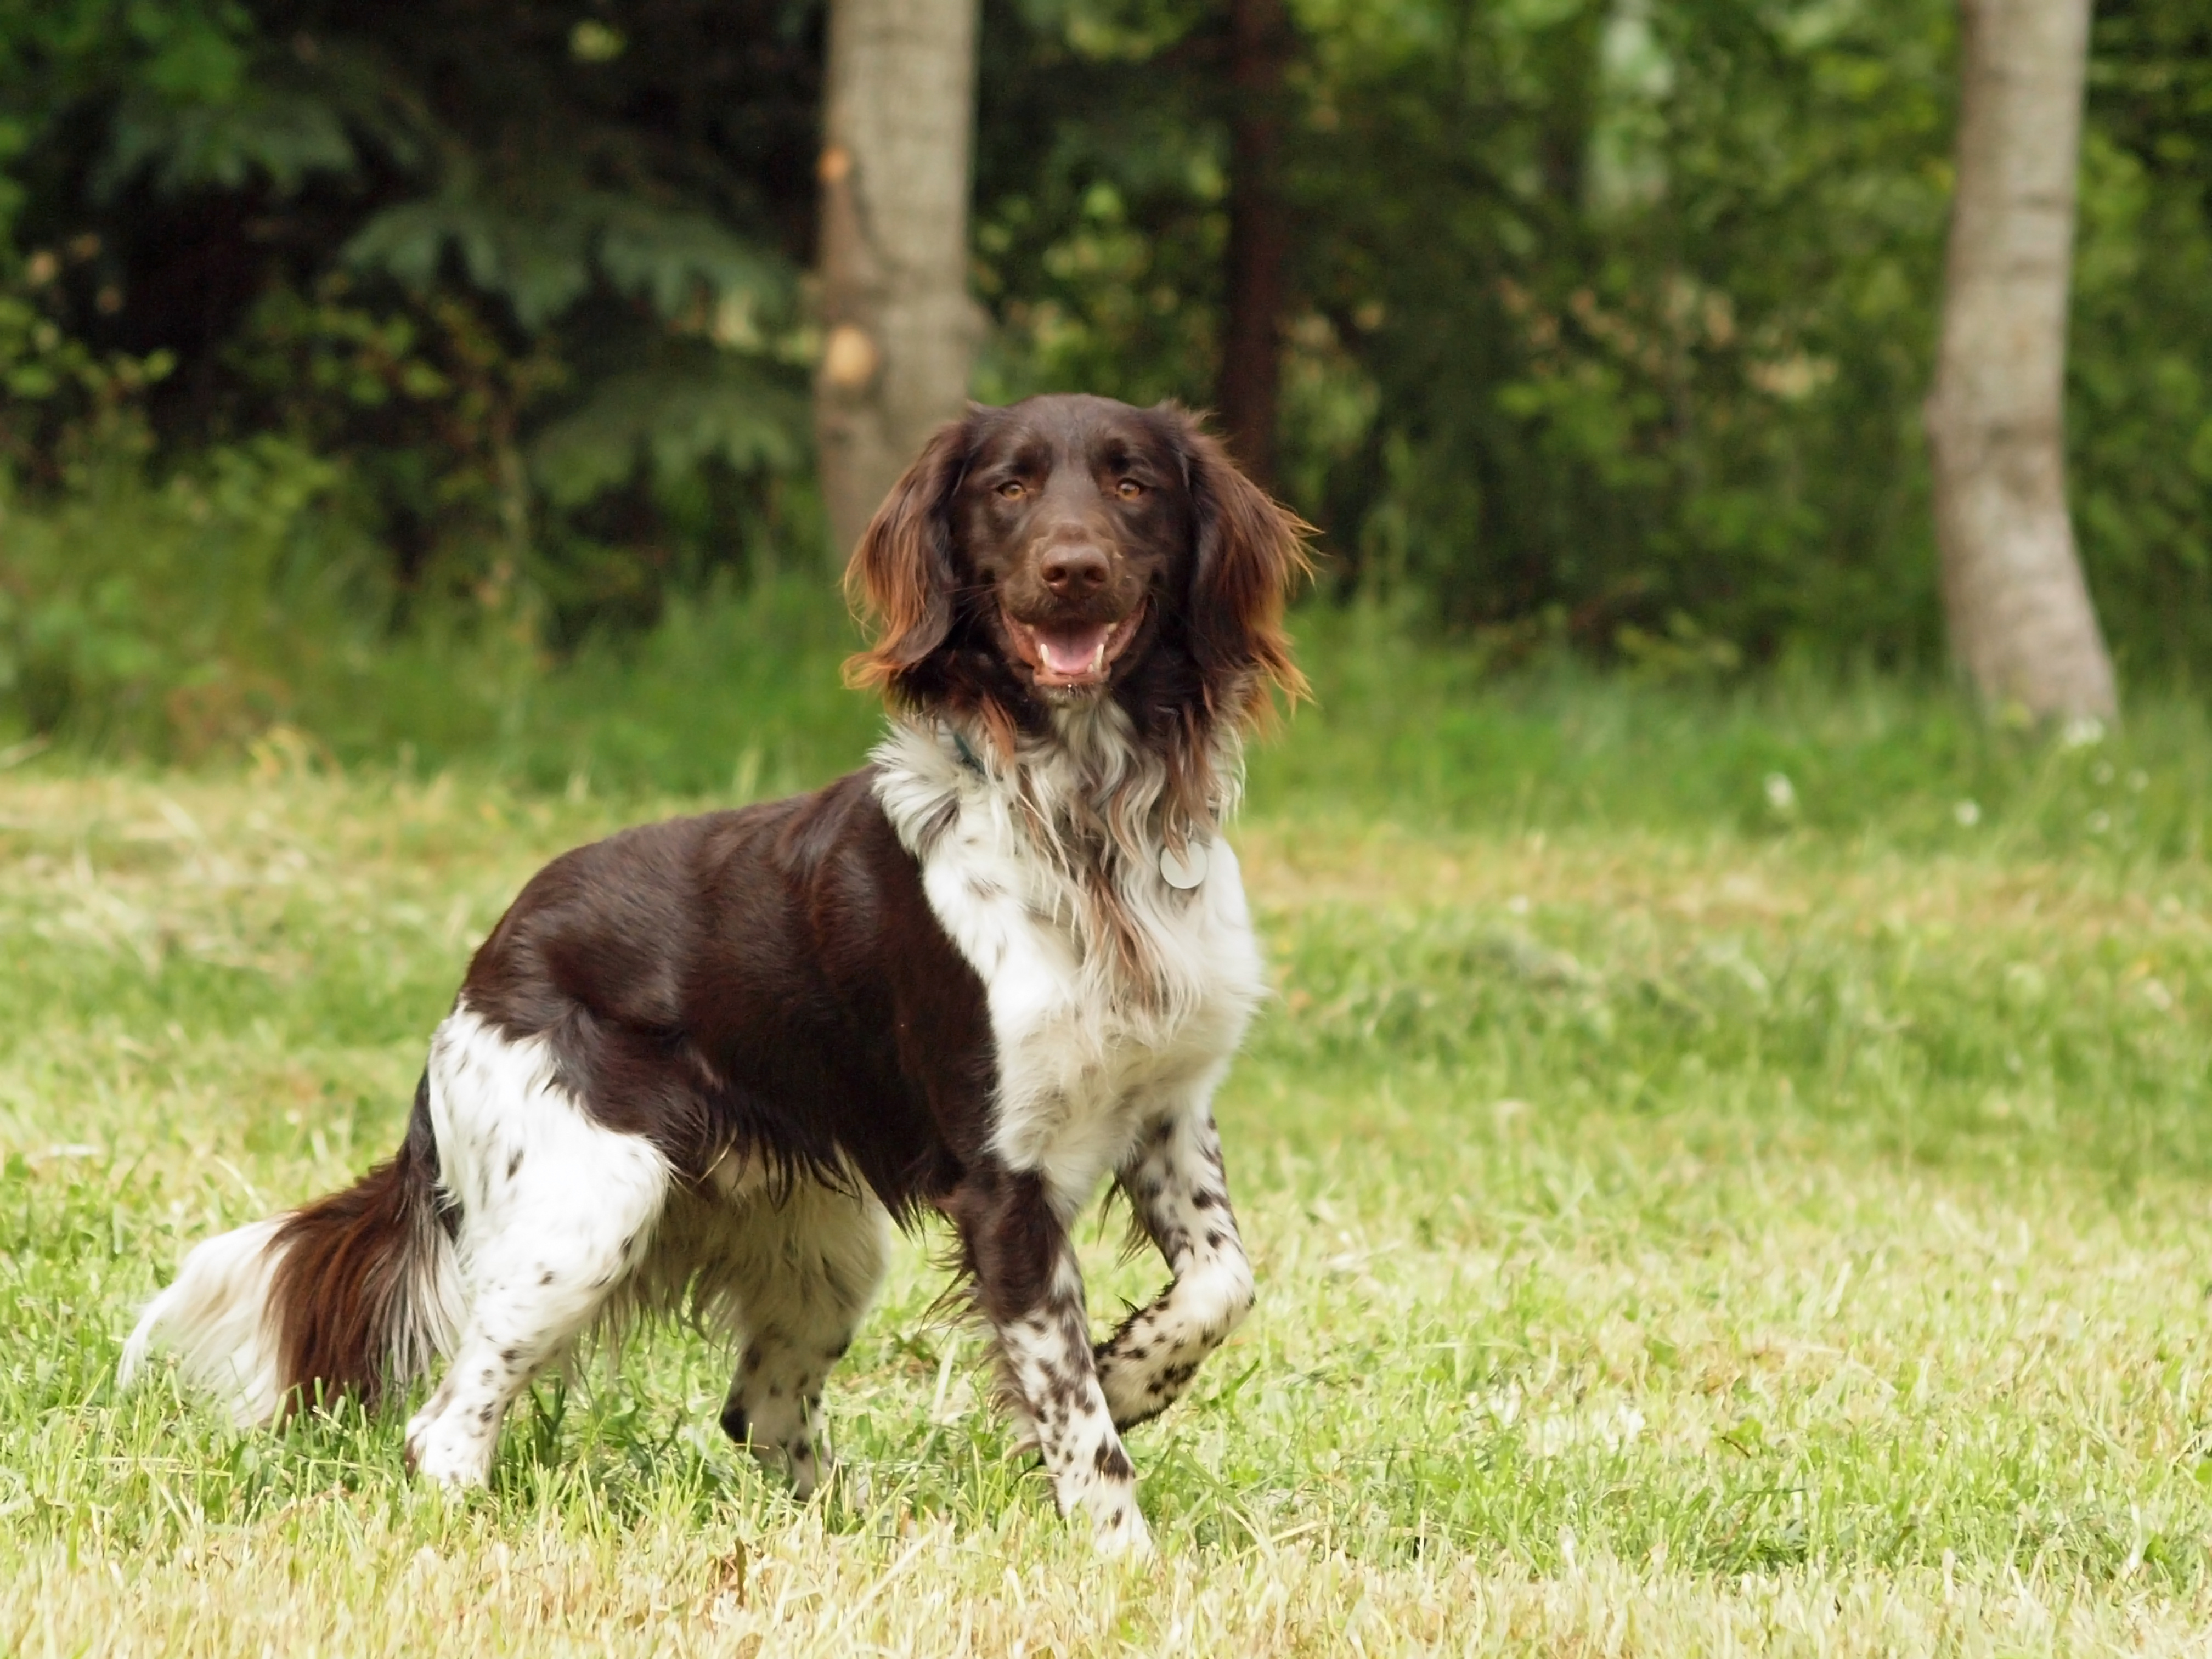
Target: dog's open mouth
[(1073, 656)]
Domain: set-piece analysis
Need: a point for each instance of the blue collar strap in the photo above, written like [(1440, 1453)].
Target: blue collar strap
[(967, 755)]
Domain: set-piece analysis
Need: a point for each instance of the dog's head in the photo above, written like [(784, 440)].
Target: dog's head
[(1070, 548)]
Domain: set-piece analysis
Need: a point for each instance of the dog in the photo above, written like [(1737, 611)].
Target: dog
[(704, 1066)]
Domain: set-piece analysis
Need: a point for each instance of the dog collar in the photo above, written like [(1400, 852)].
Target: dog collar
[(968, 758)]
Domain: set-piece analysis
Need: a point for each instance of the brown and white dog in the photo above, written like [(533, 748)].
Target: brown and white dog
[(705, 1063)]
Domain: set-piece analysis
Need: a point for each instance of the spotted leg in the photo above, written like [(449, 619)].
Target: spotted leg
[(1030, 1289), (1175, 1183), (808, 1262)]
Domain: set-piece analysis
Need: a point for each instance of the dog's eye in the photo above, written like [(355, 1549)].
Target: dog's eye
[(1128, 489), (1013, 489)]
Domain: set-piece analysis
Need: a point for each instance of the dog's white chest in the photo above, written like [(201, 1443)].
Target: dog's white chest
[(1095, 1035), (1086, 1052)]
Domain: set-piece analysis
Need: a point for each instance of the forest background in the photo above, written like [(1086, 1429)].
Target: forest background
[(386, 372)]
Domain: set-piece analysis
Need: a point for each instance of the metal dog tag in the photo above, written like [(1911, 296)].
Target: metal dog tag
[(1184, 870)]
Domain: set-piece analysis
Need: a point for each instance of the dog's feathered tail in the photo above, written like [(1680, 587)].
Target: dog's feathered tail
[(357, 1293)]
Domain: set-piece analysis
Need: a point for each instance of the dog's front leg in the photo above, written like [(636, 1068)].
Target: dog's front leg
[(1030, 1289), (1175, 1185)]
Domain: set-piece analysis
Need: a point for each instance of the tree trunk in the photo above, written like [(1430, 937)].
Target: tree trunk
[(1259, 234), (2021, 624), (899, 328)]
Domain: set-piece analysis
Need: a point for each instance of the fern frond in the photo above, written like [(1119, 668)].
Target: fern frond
[(544, 251), (671, 420)]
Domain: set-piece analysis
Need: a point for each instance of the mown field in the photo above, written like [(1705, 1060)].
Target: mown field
[(1726, 1173)]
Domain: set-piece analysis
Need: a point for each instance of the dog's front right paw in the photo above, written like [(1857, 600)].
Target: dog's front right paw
[(1117, 1528), (445, 1455)]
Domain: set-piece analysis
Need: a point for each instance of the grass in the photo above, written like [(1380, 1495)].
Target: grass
[(1694, 1212)]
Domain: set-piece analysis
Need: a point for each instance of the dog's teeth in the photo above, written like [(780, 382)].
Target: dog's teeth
[(1098, 661)]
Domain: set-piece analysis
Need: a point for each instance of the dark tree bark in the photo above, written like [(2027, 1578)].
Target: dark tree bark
[(1259, 234), (899, 328), (2021, 620)]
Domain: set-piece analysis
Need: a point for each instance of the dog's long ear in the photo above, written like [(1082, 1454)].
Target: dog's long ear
[(1250, 554), (902, 579)]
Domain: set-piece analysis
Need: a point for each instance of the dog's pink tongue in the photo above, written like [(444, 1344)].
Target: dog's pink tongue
[(1072, 653)]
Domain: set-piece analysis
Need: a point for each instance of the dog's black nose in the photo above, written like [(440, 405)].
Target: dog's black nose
[(1072, 572)]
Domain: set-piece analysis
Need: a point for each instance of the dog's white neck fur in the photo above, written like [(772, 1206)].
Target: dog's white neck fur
[(1113, 996)]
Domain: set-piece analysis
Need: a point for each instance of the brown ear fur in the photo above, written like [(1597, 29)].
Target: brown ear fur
[(1251, 553), (901, 580)]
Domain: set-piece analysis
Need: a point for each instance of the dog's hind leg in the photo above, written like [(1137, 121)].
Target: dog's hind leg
[(1175, 1185), (806, 1262), (557, 1212)]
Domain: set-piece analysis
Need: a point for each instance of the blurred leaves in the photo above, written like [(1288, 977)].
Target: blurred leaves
[(427, 244), (679, 419), (543, 256), (1618, 310), (1610, 319)]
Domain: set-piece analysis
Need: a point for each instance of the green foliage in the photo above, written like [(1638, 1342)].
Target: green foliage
[(183, 620), (2139, 386), (1620, 311), (1610, 319), (416, 240), (734, 691), (543, 256), (64, 405), (236, 604), (1439, 737), (679, 419)]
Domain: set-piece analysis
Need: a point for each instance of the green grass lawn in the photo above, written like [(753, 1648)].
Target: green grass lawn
[(1694, 1212)]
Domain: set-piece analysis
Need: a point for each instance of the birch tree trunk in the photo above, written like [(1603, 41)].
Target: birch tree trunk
[(1259, 234), (2021, 624), (899, 328)]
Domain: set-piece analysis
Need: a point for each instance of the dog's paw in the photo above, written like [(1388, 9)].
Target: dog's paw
[(786, 1439), (800, 1465), (445, 1455), (1118, 1529), (1140, 1382)]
